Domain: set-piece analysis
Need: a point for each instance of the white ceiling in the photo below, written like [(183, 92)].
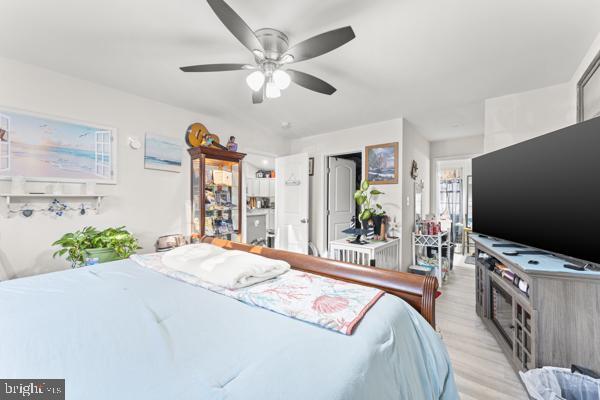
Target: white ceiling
[(433, 62)]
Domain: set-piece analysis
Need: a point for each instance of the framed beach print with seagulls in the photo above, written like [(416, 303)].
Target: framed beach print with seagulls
[(382, 163), (42, 148), (163, 153)]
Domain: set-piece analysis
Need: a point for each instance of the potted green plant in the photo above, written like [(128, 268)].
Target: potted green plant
[(369, 211), (108, 245)]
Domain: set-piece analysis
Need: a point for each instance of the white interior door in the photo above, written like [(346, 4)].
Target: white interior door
[(341, 205), (291, 203)]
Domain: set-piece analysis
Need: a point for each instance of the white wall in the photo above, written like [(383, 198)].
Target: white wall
[(150, 203), (517, 117), (348, 141), (414, 147), (463, 147), (521, 116)]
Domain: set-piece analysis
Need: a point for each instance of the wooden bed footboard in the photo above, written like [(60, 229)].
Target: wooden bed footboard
[(418, 291)]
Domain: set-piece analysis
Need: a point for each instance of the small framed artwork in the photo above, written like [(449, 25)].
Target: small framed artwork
[(163, 153), (588, 92), (382, 163), (311, 166)]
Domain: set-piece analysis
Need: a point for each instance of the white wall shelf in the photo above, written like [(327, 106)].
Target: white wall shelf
[(26, 198)]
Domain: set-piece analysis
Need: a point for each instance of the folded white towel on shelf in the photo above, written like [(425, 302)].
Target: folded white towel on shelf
[(231, 269)]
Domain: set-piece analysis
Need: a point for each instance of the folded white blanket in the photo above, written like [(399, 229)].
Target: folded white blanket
[(231, 269)]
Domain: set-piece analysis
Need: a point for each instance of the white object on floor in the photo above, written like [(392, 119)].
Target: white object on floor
[(385, 254), (551, 383), (231, 269)]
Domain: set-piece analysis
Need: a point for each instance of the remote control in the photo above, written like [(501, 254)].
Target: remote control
[(575, 267)]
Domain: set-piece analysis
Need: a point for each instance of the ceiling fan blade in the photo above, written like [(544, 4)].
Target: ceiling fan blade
[(216, 67), (311, 82), (258, 96), (235, 24), (321, 44)]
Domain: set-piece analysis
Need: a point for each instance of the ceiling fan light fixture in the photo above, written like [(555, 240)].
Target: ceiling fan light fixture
[(281, 79), (272, 91), (255, 80)]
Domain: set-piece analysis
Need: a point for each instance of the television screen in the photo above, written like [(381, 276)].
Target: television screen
[(544, 193)]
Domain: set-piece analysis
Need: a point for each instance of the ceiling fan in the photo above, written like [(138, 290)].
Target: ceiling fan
[(272, 53)]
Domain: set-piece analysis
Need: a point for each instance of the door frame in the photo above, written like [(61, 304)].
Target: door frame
[(325, 188), (460, 161), (245, 175)]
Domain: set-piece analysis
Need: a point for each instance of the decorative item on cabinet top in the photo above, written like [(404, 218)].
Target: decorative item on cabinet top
[(198, 135), (231, 144)]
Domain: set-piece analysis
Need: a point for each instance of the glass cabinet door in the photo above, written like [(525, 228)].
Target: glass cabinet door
[(216, 211)]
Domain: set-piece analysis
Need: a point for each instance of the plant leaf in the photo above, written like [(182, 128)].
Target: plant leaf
[(364, 185), (365, 214)]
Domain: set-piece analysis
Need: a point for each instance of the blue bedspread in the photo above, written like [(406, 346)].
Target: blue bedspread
[(120, 331)]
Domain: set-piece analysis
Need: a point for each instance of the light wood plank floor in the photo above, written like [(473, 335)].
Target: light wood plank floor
[(481, 369)]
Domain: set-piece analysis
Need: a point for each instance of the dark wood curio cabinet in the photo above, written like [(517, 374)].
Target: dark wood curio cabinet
[(216, 193)]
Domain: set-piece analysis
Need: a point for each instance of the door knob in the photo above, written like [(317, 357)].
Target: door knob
[(304, 220)]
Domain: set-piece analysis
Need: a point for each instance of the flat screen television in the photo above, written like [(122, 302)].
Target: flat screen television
[(544, 192)]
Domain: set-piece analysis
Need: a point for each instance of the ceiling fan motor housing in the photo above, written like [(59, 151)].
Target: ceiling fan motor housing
[(275, 43)]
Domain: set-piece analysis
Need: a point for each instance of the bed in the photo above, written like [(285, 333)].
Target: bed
[(122, 331)]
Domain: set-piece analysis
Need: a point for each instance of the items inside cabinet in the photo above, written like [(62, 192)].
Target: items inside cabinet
[(216, 193)]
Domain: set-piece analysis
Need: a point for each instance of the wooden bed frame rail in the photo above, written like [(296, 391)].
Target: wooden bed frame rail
[(418, 291)]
